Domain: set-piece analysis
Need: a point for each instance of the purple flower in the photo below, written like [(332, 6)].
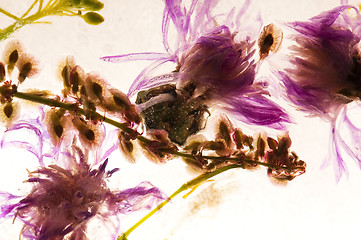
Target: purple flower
[(217, 60), (64, 199), (325, 74)]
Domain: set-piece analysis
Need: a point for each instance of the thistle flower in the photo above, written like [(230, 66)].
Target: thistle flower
[(215, 67), (64, 199), (325, 72)]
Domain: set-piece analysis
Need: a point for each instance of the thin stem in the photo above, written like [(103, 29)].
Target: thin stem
[(200, 179), (30, 8), (9, 14), (40, 5), (124, 127), (68, 106), (4, 33)]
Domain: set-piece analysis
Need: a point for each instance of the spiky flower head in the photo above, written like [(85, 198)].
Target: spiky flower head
[(325, 72), (64, 199), (215, 67)]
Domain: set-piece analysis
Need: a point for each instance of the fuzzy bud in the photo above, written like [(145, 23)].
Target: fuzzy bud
[(93, 18)]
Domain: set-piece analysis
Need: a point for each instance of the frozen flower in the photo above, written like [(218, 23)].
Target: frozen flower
[(326, 70), (215, 67), (65, 199)]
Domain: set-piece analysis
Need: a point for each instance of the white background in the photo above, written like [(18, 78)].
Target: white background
[(239, 204)]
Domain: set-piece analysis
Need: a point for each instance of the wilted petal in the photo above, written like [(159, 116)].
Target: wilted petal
[(257, 109)]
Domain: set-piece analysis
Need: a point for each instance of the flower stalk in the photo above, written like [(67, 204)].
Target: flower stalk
[(188, 185), (239, 161), (54, 8)]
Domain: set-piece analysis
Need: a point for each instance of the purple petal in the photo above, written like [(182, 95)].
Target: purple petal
[(143, 196), (258, 110), (143, 81), (149, 56)]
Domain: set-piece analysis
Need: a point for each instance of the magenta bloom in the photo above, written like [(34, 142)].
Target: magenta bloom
[(325, 74), (65, 199), (217, 60)]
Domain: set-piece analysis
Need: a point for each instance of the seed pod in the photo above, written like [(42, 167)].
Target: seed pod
[(93, 18), (261, 145), (272, 144), (27, 66), (76, 78), (269, 40), (95, 87), (8, 110), (127, 146), (57, 125), (2, 72), (11, 55), (284, 144), (90, 135), (9, 113)]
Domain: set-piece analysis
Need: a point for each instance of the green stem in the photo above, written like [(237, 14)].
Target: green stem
[(70, 107), (124, 127), (6, 13), (20, 22), (200, 179), (30, 8), (5, 33)]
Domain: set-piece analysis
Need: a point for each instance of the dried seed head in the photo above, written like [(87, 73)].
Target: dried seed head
[(260, 146), (8, 110), (95, 87), (76, 78), (269, 40), (64, 70), (9, 113), (27, 66), (127, 146), (11, 54), (57, 125), (90, 135), (272, 144), (116, 101), (160, 148)]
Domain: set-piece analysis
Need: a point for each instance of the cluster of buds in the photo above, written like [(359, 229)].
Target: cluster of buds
[(16, 64), (232, 146)]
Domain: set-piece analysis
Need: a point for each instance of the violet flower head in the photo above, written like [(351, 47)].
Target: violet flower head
[(326, 70), (215, 63), (64, 200)]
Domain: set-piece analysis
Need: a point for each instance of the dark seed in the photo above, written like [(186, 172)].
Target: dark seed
[(97, 89), (118, 101), (8, 110), (2, 72), (65, 75), (24, 71), (14, 56), (58, 129), (89, 134)]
